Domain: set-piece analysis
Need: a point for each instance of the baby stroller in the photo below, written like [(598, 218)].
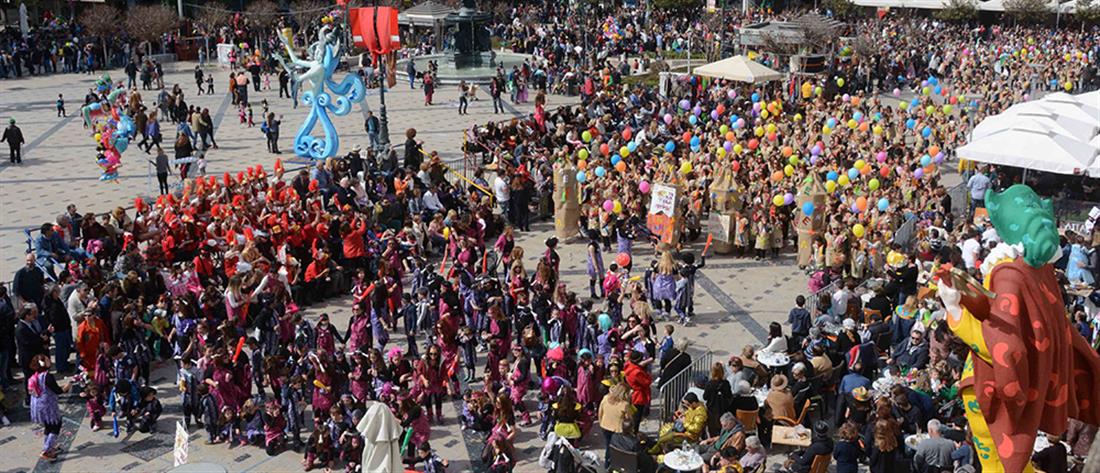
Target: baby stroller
[(558, 456)]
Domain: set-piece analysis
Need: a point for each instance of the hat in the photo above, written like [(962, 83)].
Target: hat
[(860, 394), (779, 381), (11, 120), (357, 148), (700, 379), (821, 428)]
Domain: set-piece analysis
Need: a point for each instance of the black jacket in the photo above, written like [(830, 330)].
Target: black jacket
[(820, 446), (29, 342), (14, 136), (646, 463)]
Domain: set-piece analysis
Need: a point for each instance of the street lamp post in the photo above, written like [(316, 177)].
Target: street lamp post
[(384, 139)]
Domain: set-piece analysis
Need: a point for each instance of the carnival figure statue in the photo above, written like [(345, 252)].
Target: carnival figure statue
[(1028, 369), (314, 75)]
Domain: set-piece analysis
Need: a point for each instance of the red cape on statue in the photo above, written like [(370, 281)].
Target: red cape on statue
[(1043, 371)]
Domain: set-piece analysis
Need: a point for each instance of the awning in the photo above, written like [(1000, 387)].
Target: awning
[(425, 14), (1029, 145), (738, 68)]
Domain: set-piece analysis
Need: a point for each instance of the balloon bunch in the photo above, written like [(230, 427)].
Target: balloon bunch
[(112, 128)]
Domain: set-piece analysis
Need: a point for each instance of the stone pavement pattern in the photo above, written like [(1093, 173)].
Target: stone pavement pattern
[(735, 301)]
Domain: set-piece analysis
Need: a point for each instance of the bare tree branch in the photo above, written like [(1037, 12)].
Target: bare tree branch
[(101, 20), (262, 13)]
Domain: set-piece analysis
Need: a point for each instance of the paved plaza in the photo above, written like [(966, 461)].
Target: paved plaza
[(735, 301)]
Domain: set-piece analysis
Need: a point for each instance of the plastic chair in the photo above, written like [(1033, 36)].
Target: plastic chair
[(789, 422), (821, 463), (622, 461), (748, 419)]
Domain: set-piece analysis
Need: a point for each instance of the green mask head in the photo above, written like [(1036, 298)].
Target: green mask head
[(1022, 217)]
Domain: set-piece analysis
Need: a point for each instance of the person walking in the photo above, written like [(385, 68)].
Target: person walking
[(152, 129), (43, 389), (183, 150), (162, 170), (284, 80), (495, 91), (372, 125), (463, 100), (271, 129), (14, 136)]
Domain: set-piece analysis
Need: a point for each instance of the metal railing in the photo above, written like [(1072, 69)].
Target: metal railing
[(673, 389)]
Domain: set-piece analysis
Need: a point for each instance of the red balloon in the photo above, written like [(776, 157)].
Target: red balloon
[(622, 259), (736, 166), (721, 109), (627, 133), (604, 149), (884, 171), (687, 137), (754, 143)]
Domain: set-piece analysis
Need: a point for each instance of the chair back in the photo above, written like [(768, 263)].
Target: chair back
[(748, 419), (821, 463), (622, 461)]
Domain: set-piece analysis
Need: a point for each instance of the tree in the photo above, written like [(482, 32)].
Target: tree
[(101, 21), (842, 8), (262, 13), (149, 23), (1087, 11), (1027, 11), (307, 12), (210, 19), (958, 10)]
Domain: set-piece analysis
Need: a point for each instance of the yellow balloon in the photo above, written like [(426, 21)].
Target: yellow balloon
[(874, 184), (759, 131), (826, 130), (843, 180), (777, 200), (446, 233), (860, 163), (876, 130), (788, 170), (771, 128), (852, 123), (903, 105), (858, 230), (721, 152), (1068, 86), (98, 136), (798, 117), (764, 114), (830, 186), (818, 91), (685, 167), (737, 148), (617, 207)]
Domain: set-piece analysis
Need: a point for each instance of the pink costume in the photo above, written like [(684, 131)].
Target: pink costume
[(323, 397), (359, 333), (586, 385)]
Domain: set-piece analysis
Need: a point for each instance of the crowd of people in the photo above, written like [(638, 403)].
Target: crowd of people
[(214, 276)]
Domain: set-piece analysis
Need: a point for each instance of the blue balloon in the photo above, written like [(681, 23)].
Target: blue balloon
[(670, 146), (615, 159), (632, 146), (883, 204), (910, 123), (694, 141), (933, 80), (733, 120), (877, 116), (831, 123), (938, 90), (121, 144), (926, 132), (853, 173), (692, 119), (755, 97), (832, 176), (925, 160), (808, 208), (914, 104), (858, 116), (600, 171), (581, 177)]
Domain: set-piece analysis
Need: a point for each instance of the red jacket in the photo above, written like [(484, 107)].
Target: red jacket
[(354, 246), (639, 380)]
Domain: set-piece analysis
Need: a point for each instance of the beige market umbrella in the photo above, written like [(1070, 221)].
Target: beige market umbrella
[(738, 68)]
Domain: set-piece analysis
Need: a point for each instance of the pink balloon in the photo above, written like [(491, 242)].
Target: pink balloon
[(642, 186), (881, 156), (668, 118), (608, 205)]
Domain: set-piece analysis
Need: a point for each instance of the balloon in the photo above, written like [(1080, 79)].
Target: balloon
[(604, 149), (788, 170), (861, 203), (696, 110), (620, 166), (793, 160), (759, 131), (98, 137), (668, 118), (627, 133), (586, 136), (864, 127), (731, 94), (754, 143), (919, 173), (550, 385), (687, 137), (714, 114), (788, 198), (877, 129), (818, 91), (736, 166), (624, 151), (843, 181), (826, 131), (816, 150), (884, 171), (724, 130), (740, 123), (926, 132), (600, 171), (787, 151), (947, 108), (897, 92), (622, 259), (808, 208), (692, 119), (670, 146), (953, 100), (938, 158), (777, 200), (831, 123), (643, 187), (798, 117), (615, 160), (926, 91), (737, 148), (910, 123), (853, 173), (873, 184), (852, 123), (903, 105), (582, 154), (830, 187), (938, 90), (858, 230), (721, 151), (831, 176), (840, 82), (883, 204), (728, 145), (685, 104), (771, 128), (764, 114), (925, 160), (632, 146), (860, 164), (755, 97), (685, 167), (915, 103), (929, 110), (581, 177), (695, 142), (617, 207), (608, 205), (773, 136)]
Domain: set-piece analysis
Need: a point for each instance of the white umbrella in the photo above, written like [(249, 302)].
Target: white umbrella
[(1090, 102), (738, 68), (1029, 146), (1070, 117), (381, 439), (999, 123)]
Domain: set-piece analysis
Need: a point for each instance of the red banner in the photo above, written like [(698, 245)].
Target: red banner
[(363, 34)]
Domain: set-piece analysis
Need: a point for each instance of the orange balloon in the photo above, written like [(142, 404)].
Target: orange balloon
[(865, 170), (787, 151), (582, 165), (861, 203), (730, 136), (772, 136), (620, 166), (863, 126), (933, 150), (687, 137), (855, 101), (777, 176)]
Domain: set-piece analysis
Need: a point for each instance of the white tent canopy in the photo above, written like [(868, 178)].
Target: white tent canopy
[(738, 68), (381, 439), (1030, 146)]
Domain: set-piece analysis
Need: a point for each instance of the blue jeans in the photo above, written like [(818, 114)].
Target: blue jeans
[(63, 341)]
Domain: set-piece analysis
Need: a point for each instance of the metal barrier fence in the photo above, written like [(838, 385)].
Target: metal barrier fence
[(673, 390), (812, 298), (960, 199)]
